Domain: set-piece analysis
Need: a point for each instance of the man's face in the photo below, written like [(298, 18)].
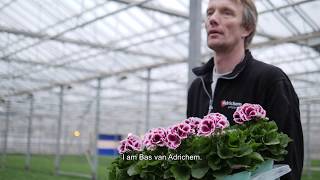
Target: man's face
[(224, 24)]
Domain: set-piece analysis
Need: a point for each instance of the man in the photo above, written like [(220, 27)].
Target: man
[(233, 77)]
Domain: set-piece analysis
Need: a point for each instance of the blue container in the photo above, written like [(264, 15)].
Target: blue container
[(107, 144), (244, 175)]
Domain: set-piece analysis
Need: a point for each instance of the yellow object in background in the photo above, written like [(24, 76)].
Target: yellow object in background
[(76, 133)]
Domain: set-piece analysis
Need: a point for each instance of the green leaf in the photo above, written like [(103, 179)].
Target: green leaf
[(167, 174), (272, 126), (256, 156), (214, 162), (239, 163), (284, 140), (271, 138), (148, 176), (255, 145), (272, 142), (154, 163), (224, 152), (112, 173), (244, 150), (199, 170), (122, 175), (213, 166), (224, 170), (201, 145), (180, 172), (133, 170)]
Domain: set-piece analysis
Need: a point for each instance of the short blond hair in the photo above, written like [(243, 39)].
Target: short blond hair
[(249, 19)]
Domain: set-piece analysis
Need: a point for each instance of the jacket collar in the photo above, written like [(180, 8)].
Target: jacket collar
[(205, 71)]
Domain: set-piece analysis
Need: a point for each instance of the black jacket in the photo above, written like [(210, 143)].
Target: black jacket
[(256, 82)]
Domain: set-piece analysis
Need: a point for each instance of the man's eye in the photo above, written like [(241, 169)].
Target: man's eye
[(229, 13), (209, 13)]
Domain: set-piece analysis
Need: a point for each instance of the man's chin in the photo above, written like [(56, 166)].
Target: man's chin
[(215, 46)]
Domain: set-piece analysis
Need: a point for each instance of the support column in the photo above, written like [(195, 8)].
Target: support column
[(308, 131), (195, 21), (28, 154), (6, 132), (57, 159), (96, 133), (148, 100)]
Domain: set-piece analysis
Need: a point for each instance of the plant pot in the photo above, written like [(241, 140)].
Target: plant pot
[(244, 175), (263, 167)]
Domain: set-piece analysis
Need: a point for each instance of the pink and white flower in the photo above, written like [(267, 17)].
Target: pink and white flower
[(122, 147), (247, 112), (155, 137), (206, 127), (194, 124), (221, 121), (181, 129), (131, 143), (173, 140), (176, 133)]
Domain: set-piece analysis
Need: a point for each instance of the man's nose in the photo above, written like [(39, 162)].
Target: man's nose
[(213, 19)]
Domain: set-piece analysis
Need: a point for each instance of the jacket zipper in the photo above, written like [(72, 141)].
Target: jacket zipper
[(210, 96)]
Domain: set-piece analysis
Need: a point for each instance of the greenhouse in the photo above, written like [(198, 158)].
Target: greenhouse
[(78, 75)]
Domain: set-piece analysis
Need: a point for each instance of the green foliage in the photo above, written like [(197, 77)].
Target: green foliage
[(266, 139), (180, 172), (238, 148), (199, 169)]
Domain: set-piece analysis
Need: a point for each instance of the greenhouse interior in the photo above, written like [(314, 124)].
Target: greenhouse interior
[(77, 72)]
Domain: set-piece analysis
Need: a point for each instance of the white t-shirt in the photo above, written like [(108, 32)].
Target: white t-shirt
[(215, 77)]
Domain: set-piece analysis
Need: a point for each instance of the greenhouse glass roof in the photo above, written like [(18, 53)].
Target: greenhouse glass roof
[(48, 43)]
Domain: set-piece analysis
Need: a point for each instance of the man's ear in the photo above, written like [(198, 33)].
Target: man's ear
[(246, 31)]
